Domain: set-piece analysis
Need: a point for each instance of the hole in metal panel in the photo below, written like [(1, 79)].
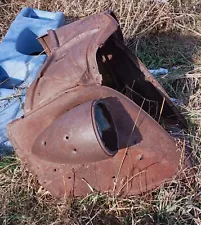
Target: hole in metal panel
[(105, 126), (141, 157)]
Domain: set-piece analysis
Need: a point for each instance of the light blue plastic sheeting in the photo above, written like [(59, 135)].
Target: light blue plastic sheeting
[(20, 61), (160, 71)]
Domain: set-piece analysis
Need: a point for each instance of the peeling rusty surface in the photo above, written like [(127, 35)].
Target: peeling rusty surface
[(79, 133)]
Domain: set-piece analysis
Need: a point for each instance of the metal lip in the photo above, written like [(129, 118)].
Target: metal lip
[(106, 150)]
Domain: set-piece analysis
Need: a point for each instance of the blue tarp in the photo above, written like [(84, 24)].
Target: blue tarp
[(20, 61)]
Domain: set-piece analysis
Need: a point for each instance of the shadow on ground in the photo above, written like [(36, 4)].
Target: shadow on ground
[(179, 53)]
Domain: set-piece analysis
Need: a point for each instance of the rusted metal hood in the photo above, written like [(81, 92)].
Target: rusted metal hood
[(90, 120)]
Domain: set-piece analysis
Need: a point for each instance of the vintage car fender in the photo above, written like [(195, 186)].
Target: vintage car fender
[(90, 120)]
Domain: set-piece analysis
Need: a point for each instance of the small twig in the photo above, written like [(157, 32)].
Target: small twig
[(4, 80), (93, 217), (187, 28), (5, 168), (126, 151), (11, 96), (130, 180), (161, 110), (90, 187)]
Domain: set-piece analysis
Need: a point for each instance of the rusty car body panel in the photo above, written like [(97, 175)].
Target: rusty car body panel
[(90, 120)]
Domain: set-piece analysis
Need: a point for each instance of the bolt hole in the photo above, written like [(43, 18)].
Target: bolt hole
[(45, 143), (55, 170), (75, 150), (141, 157), (66, 137), (38, 93), (69, 178), (113, 177)]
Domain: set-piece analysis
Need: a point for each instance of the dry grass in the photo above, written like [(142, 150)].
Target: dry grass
[(161, 35)]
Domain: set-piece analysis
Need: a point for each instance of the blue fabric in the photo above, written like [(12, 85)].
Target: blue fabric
[(20, 62)]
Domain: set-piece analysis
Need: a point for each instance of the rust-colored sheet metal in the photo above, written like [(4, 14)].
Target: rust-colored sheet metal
[(79, 133)]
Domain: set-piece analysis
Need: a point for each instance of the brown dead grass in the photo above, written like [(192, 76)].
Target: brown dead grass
[(24, 201)]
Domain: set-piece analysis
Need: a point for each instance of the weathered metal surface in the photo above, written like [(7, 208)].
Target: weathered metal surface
[(82, 135), (78, 135)]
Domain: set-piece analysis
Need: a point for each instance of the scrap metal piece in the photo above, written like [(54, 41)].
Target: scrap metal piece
[(79, 133)]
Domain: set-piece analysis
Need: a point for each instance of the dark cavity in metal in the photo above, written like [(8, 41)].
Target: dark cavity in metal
[(106, 127)]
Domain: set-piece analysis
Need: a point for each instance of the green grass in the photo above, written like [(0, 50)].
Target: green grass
[(169, 50), (8, 163)]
